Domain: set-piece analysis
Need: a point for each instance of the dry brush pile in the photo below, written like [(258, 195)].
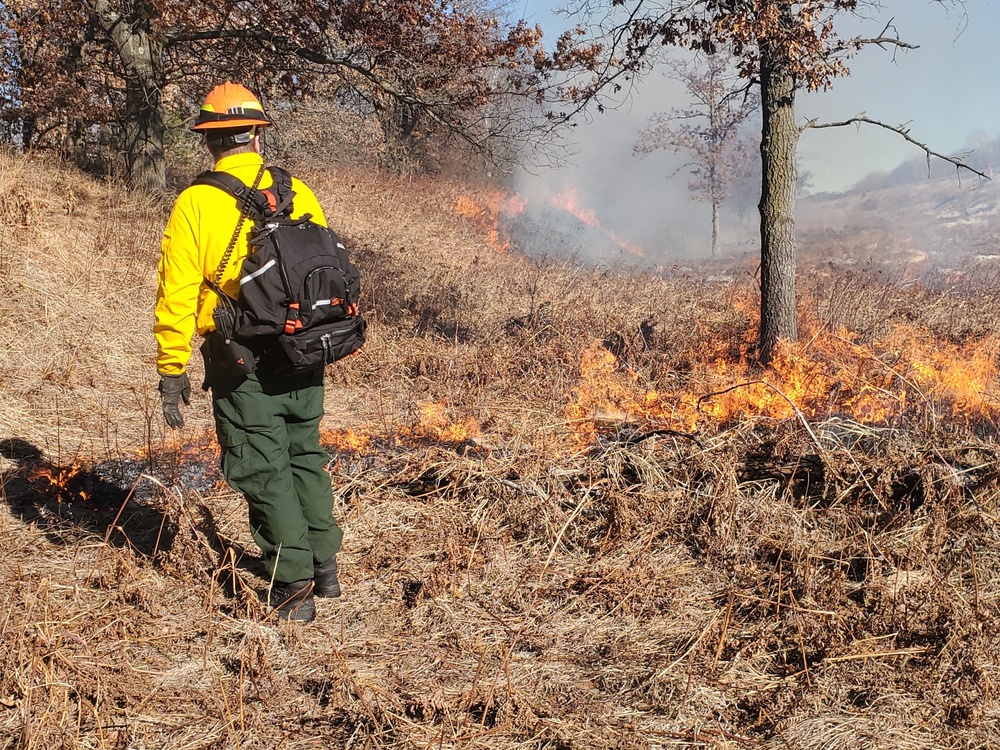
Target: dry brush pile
[(575, 517)]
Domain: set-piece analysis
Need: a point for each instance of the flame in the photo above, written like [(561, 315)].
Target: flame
[(486, 211), (193, 447), (487, 208), (958, 377), (569, 200), (346, 441), (60, 479), (830, 375), (433, 422)]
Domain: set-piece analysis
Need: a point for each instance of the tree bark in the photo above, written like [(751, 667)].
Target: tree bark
[(715, 149), (716, 226), (27, 133), (779, 140), (142, 60)]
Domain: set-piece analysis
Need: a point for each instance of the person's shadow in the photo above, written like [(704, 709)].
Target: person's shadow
[(120, 504), (73, 502)]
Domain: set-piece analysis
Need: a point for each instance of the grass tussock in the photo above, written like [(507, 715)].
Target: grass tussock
[(556, 534)]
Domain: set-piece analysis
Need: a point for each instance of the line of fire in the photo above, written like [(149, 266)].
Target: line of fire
[(830, 374)]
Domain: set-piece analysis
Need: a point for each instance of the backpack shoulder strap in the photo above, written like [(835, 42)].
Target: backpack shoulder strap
[(248, 198), (223, 181), (282, 191)]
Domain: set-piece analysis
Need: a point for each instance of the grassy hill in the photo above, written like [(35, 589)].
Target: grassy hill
[(928, 217), (575, 516)]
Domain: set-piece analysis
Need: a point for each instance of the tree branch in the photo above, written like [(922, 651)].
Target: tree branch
[(284, 45), (902, 131), (881, 40)]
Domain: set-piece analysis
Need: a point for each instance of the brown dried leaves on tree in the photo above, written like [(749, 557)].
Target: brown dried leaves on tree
[(96, 61)]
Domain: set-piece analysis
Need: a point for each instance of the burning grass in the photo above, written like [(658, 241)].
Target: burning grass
[(575, 516)]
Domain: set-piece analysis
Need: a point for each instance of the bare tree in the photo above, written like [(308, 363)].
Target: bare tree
[(780, 46), (708, 130)]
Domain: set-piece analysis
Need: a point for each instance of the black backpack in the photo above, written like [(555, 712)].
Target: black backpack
[(297, 285)]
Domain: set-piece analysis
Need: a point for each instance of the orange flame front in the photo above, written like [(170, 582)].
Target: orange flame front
[(432, 424), (485, 212), (346, 441), (569, 201), (831, 375)]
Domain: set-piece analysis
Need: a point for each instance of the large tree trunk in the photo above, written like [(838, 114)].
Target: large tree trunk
[(779, 139), (145, 130), (142, 60)]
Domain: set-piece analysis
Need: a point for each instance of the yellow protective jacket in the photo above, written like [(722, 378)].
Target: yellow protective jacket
[(201, 225)]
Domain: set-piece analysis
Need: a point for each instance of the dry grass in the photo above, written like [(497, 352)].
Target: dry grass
[(508, 584)]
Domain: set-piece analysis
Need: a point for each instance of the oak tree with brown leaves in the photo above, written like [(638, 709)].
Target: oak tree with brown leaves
[(125, 66), (780, 46)]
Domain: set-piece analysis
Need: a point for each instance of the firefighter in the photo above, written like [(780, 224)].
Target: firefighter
[(267, 423)]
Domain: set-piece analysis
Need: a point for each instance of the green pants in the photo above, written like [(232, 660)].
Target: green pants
[(269, 432)]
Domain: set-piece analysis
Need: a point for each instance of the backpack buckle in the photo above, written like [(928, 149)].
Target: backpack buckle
[(293, 322)]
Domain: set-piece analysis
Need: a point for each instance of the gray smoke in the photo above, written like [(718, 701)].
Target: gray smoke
[(641, 200)]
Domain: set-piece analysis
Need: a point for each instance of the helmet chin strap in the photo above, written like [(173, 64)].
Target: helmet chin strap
[(230, 141)]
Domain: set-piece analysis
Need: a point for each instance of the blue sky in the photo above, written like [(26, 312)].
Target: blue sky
[(947, 90)]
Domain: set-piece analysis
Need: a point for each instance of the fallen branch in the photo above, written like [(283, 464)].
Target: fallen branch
[(636, 439), (914, 651)]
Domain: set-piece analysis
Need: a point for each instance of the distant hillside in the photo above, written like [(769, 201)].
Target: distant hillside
[(905, 216), (981, 155)]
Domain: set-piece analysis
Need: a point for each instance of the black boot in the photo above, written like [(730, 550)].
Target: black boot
[(294, 601), (325, 579)]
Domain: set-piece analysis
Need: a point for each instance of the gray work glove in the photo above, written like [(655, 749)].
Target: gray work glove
[(172, 388)]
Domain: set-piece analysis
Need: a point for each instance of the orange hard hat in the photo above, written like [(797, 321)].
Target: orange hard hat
[(230, 105)]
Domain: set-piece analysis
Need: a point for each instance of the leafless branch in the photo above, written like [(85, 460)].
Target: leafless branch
[(904, 132), (881, 40)]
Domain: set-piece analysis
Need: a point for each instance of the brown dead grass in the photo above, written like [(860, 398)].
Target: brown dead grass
[(761, 586)]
